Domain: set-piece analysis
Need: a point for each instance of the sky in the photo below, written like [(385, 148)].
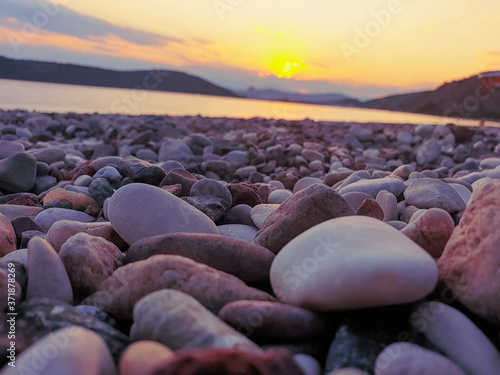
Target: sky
[(361, 48)]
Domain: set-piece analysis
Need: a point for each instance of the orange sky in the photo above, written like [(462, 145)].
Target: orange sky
[(361, 48)]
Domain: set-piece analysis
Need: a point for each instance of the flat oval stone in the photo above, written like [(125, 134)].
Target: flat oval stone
[(179, 321), (48, 217), (72, 350), (47, 276), (118, 294), (374, 186), (48, 155), (247, 261), (410, 359), (350, 263), (457, 337), (429, 193), (138, 211), (272, 320)]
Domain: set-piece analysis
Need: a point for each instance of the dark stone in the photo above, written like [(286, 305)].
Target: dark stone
[(142, 171), (40, 316), (305, 209), (247, 193), (27, 236), (180, 176), (363, 335), (272, 320), (461, 133), (23, 224), (18, 197), (213, 207), (100, 189), (371, 208)]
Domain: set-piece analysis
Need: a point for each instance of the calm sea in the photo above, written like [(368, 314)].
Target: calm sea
[(49, 97)]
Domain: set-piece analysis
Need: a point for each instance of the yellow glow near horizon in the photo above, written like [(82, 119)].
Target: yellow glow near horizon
[(286, 68), (397, 43)]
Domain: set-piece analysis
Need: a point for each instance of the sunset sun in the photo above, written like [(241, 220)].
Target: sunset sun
[(286, 68)]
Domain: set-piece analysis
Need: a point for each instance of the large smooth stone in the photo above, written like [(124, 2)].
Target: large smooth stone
[(179, 321), (48, 155), (89, 261), (305, 209), (374, 186), (7, 236), (247, 261), (14, 212), (72, 350), (118, 294), (351, 263), (272, 320), (457, 337), (18, 173), (137, 211), (430, 193), (410, 359), (469, 263), (50, 216), (59, 233), (47, 276)]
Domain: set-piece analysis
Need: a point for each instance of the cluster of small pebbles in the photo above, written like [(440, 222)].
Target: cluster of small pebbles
[(188, 245)]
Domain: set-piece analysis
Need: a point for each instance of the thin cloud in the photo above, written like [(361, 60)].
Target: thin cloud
[(71, 23)]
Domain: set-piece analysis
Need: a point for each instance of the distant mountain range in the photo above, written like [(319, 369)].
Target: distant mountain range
[(283, 96), (159, 80), (466, 98)]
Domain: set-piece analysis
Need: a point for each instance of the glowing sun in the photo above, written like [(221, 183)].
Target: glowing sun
[(286, 68)]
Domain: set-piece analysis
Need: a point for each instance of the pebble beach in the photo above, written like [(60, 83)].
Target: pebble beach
[(163, 245)]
